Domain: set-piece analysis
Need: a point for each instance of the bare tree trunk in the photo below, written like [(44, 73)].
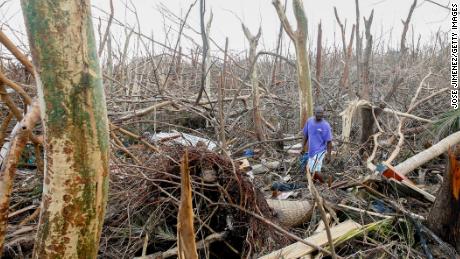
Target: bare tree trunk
[(366, 90), (358, 46), (303, 75), (109, 61), (253, 42), (444, 218), (107, 30), (367, 118), (342, 33), (74, 115), (221, 97), (398, 78), (299, 37), (318, 60), (207, 83), (347, 53), (278, 50), (403, 47), (179, 65), (346, 69), (204, 39)]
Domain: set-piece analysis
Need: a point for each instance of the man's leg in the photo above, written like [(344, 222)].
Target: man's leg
[(317, 176), (312, 161), (318, 165)]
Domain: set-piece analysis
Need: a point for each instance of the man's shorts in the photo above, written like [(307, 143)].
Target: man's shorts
[(316, 162)]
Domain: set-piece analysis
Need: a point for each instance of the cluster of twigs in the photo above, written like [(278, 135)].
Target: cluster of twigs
[(144, 199)]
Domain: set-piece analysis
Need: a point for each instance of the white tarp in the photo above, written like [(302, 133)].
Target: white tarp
[(181, 138)]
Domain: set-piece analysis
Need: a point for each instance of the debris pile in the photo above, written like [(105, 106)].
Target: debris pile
[(143, 205)]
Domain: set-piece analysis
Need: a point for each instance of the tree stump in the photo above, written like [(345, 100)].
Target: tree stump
[(444, 218)]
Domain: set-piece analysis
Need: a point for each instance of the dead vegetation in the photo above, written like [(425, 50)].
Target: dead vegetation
[(245, 107)]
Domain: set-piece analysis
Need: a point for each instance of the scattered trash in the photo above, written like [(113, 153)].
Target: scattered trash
[(248, 153), (265, 167), (286, 195), (283, 187), (244, 165), (286, 178), (380, 207), (402, 183), (250, 175)]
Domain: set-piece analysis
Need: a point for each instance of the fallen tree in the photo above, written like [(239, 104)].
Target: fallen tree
[(428, 154)]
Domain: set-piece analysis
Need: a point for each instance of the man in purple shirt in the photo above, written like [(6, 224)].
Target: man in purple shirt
[(317, 141)]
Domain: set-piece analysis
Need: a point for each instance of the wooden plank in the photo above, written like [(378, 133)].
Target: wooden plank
[(411, 186), (392, 174), (299, 249)]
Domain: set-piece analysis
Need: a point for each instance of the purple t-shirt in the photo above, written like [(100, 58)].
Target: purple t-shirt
[(318, 134)]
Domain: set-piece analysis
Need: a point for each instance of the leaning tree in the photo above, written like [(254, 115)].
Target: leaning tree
[(74, 116)]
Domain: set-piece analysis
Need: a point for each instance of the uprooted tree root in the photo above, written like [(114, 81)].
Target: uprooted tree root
[(144, 200)]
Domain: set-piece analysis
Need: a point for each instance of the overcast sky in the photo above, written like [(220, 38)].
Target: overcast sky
[(427, 18)]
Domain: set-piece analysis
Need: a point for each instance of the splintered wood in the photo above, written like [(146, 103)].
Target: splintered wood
[(299, 249), (185, 231)]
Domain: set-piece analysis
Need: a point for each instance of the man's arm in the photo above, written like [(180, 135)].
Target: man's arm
[(305, 144), (305, 138)]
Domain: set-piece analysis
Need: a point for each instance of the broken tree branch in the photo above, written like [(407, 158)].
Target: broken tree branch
[(145, 111), (16, 52), (284, 21), (403, 47), (5, 97), (107, 30), (20, 136), (319, 202), (401, 122), (16, 87)]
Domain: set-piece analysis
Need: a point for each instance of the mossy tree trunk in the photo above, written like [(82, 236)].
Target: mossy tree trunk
[(74, 115), (299, 37)]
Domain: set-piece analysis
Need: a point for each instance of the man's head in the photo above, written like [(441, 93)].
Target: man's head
[(318, 112)]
